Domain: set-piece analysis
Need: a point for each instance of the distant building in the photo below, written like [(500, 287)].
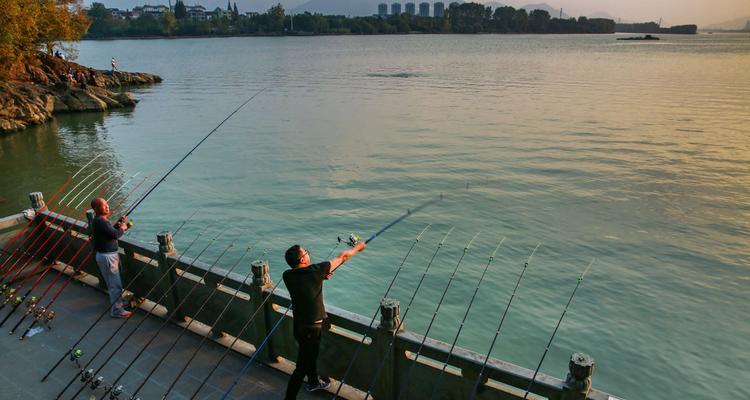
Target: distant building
[(196, 13), (396, 9), (383, 9), (438, 9), (411, 9), (747, 26), (156, 11), (424, 9), (252, 14)]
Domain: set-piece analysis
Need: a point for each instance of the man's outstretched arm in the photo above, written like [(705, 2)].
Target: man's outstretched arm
[(346, 255)]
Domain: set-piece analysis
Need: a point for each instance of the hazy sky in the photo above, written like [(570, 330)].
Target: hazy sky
[(701, 12)]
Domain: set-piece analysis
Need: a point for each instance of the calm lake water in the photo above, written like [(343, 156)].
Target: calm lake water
[(637, 154)]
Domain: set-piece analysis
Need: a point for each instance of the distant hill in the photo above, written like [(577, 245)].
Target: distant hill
[(554, 12), (735, 24)]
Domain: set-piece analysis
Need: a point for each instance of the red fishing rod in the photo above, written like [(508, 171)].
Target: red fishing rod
[(50, 201), (32, 302), (44, 313), (83, 371), (38, 237), (10, 292), (41, 225), (74, 353)]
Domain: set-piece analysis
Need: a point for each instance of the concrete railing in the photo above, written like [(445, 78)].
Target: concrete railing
[(501, 380)]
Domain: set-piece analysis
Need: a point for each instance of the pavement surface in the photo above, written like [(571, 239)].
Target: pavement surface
[(26, 362)]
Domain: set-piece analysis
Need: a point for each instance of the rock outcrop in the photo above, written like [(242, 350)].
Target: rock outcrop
[(36, 92)]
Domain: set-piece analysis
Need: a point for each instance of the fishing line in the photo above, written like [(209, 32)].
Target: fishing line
[(502, 319)]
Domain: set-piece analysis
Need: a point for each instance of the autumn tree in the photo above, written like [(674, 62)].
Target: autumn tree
[(60, 21), (18, 33)]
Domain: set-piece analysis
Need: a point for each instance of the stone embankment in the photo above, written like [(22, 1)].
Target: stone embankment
[(36, 92)]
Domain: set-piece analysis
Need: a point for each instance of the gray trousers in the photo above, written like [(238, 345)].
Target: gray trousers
[(109, 266)]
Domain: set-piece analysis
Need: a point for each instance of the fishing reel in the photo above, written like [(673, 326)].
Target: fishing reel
[(32, 302), (352, 241), (16, 300), (116, 392), (76, 355), (9, 293), (87, 375), (96, 382)]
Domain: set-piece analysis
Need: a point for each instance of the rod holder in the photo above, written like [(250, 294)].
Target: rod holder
[(390, 315), (37, 201), (166, 245), (578, 383), (261, 277)]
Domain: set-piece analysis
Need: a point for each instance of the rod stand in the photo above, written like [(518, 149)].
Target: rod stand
[(390, 316), (37, 201), (578, 382)]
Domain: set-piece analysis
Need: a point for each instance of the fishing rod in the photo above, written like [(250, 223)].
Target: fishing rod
[(132, 332), (166, 321), (132, 208), (411, 301), (77, 353), (434, 315), (187, 326), (10, 292), (41, 225), (66, 219), (45, 314), (205, 337), (436, 385), (50, 201), (352, 242), (237, 337), (374, 317), (262, 344), (565, 310), (502, 319), (34, 300)]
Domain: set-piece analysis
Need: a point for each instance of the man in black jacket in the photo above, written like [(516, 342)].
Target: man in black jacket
[(107, 258), (305, 284)]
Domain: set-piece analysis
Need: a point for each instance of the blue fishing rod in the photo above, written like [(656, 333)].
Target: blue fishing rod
[(352, 241)]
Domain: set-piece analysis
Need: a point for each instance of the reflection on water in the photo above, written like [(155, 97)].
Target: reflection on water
[(634, 153)]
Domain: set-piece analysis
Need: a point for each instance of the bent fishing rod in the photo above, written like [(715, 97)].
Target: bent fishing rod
[(262, 345), (406, 312), (374, 317), (186, 328), (145, 316), (32, 302), (559, 321), (438, 381), (163, 178), (236, 337), (76, 353), (45, 314), (51, 201), (43, 226), (500, 325), (196, 284), (434, 315)]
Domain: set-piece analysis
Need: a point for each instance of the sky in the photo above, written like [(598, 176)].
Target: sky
[(674, 12)]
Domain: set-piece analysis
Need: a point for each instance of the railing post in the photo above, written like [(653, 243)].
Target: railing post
[(37, 201), (167, 249), (267, 317), (578, 383), (390, 319)]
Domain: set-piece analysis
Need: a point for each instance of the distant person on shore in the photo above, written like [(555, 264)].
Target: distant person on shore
[(305, 284), (114, 66), (107, 258)]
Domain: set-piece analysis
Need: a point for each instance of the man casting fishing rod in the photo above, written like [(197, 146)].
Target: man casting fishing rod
[(105, 237), (305, 283)]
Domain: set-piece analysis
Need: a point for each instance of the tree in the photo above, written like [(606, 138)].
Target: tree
[(276, 18), (538, 20), (169, 23), (235, 13), (504, 18), (18, 32), (101, 20), (180, 11), (60, 21)]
